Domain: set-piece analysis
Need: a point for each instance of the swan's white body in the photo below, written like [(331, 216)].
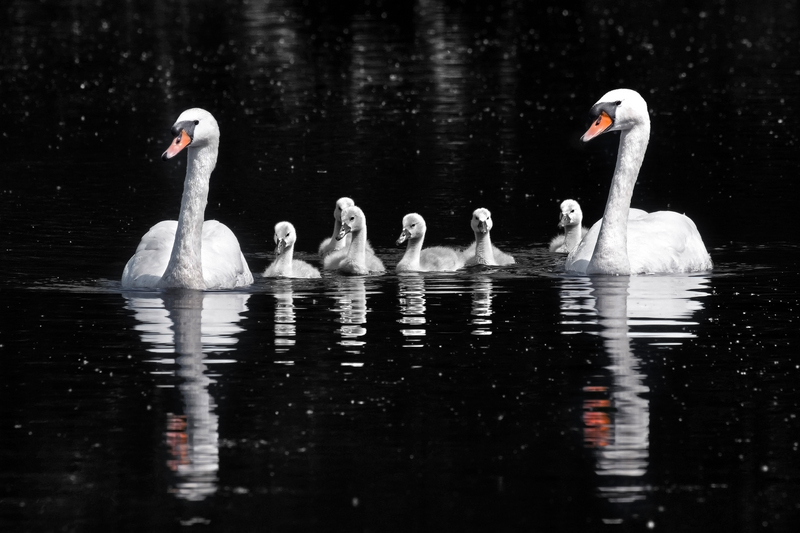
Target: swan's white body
[(356, 260), (482, 251), (285, 265), (629, 241), (331, 244), (432, 259), (190, 253), (570, 219)]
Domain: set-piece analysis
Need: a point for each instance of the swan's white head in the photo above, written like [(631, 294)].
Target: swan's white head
[(285, 237), (352, 220), (195, 127), (481, 221), (341, 204), (617, 110), (571, 214), (413, 227)]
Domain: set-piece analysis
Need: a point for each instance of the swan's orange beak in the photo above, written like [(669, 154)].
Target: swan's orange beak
[(181, 141), (598, 127), (403, 236)]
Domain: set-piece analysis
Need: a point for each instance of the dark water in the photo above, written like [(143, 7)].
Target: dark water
[(513, 399)]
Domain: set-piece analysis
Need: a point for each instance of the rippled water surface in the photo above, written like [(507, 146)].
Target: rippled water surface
[(516, 398)]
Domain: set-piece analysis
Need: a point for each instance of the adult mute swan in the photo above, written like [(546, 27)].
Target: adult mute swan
[(432, 259), (482, 251), (285, 264), (330, 244), (190, 253), (570, 219), (624, 243), (356, 260)]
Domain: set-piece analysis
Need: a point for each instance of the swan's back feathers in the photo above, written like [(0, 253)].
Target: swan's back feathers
[(432, 259), (147, 265), (666, 241), (224, 265), (440, 258), (663, 241), (339, 260), (299, 269)]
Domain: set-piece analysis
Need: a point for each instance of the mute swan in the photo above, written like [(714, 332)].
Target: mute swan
[(285, 265), (435, 258), (482, 251), (330, 244), (356, 260), (189, 253), (623, 244), (570, 219)]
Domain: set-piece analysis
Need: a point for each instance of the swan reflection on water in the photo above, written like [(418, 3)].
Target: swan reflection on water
[(411, 288), (616, 415), (482, 295), (190, 324), (350, 295), (285, 319)]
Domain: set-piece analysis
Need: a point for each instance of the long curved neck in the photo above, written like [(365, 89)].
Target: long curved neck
[(283, 263), (611, 251), (185, 267), (413, 249), (484, 254), (357, 252), (572, 236)]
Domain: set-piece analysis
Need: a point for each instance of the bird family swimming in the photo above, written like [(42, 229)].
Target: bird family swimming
[(195, 253)]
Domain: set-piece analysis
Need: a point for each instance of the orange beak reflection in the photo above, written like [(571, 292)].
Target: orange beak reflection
[(598, 127), (181, 141)]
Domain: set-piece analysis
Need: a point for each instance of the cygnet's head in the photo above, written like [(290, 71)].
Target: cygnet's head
[(341, 204), (196, 128), (413, 228), (353, 220), (620, 109), (284, 237), (481, 221), (571, 214)]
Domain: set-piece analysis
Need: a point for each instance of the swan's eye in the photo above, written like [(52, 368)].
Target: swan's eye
[(618, 103), (352, 219), (196, 122)]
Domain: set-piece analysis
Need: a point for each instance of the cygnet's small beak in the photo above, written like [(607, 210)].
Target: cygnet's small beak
[(181, 141), (280, 247), (482, 226), (563, 220), (344, 231), (403, 236)]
